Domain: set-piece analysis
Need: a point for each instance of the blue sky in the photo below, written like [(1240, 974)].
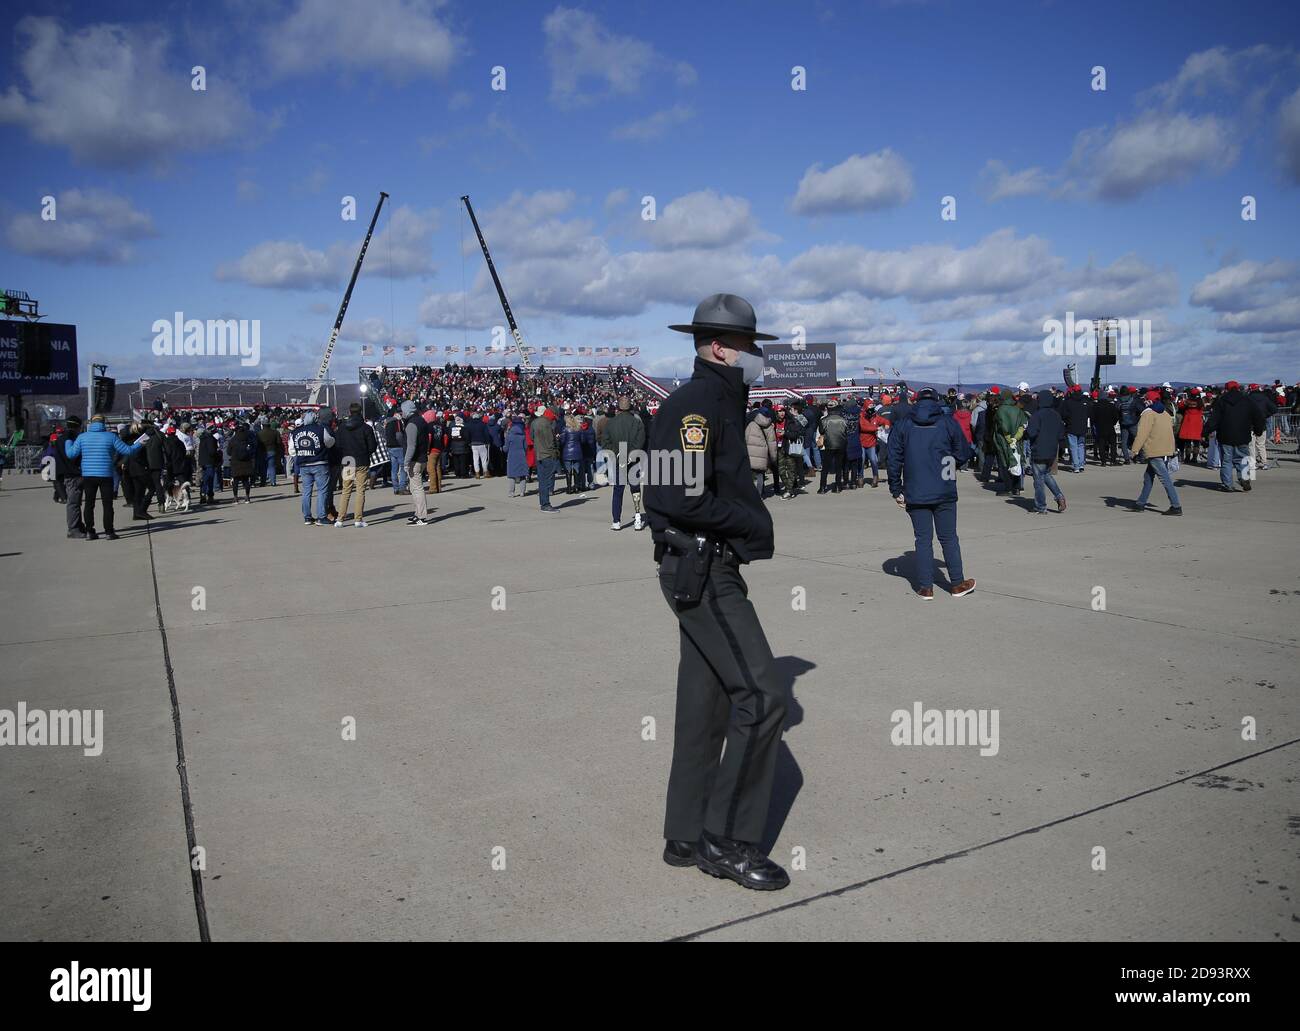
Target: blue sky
[(822, 206)]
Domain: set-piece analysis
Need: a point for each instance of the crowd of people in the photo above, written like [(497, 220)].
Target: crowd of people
[(542, 433)]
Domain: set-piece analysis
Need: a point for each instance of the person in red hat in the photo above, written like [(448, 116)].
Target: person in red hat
[(1191, 426)]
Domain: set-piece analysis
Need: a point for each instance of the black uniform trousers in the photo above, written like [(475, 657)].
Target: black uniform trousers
[(727, 688)]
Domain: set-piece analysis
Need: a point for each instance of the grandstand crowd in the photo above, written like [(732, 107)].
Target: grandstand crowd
[(534, 429)]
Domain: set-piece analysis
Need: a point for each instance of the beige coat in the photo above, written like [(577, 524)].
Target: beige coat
[(760, 440), (1155, 435)]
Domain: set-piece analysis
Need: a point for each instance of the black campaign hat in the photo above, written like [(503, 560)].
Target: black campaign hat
[(723, 314)]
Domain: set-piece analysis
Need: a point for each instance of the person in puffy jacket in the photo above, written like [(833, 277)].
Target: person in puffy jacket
[(760, 442), (925, 451), (97, 449), (852, 446), (571, 454), (1191, 427), (516, 448), (835, 433)]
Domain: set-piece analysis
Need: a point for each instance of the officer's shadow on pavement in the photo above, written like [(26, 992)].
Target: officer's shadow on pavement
[(788, 781), (905, 566)]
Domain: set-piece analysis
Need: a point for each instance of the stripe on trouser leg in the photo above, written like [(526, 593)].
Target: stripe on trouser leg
[(759, 713)]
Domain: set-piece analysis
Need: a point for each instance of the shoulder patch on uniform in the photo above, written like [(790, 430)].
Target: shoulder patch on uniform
[(695, 433)]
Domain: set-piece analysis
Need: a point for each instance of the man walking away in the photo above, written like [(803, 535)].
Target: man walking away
[(1266, 402), (69, 471), (1235, 421), (356, 442), (548, 457), (311, 444), (925, 452), (209, 455), (417, 453), (1155, 443), (269, 437), (395, 442), (96, 448), (623, 434), (834, 437), (1046, 430)]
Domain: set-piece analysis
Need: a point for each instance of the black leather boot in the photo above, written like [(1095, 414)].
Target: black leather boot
[(739, 861), (679, 853)]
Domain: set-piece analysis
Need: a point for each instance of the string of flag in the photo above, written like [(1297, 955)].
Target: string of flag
[(410, 350)]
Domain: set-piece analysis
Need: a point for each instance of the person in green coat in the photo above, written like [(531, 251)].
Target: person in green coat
[(1008, 428)]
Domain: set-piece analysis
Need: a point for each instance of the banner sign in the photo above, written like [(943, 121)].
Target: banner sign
[(812, 365), (38, 358)]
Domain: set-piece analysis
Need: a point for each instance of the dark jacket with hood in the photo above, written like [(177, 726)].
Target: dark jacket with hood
[(925, 450), (1074, 411), (1234, 418), (63, 465), (1046, 429), (703, 421), (356, 440)]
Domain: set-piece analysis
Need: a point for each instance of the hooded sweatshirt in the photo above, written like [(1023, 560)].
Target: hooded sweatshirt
[(1046, 429), (925, 450)]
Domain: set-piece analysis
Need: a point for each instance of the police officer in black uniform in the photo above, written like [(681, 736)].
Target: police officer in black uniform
[(706, 525)]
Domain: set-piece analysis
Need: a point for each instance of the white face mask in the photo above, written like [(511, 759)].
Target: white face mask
[(750, 366)]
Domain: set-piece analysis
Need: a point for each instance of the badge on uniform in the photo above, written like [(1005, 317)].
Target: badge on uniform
[(695, 433)]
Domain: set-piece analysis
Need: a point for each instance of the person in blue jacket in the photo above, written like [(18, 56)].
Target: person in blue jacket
[(97, 449), (926, 448)]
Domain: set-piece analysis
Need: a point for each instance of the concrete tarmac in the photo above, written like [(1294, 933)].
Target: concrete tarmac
[(511, 679)]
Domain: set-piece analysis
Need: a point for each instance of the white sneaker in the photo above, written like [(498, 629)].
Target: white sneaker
[(616, 526), (360, 524), (338, 524), (638, 523)]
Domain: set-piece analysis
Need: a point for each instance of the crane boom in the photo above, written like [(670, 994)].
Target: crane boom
[(501, 293), (343, 308)]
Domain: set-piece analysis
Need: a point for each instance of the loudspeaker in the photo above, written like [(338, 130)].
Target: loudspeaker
[(33, 350), (1071, 374), (102, 392)]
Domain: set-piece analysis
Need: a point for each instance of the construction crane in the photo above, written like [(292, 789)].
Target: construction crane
[(343, 308), (505, 304)]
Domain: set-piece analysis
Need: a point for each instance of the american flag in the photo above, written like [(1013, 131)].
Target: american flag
[(388, 351), (409, 349), (566, 350), (630, 351), (367, 350), (471, 349), (145, 384), (602, 350), (548, 350), (451, 348), (430, 349), (584, 350)]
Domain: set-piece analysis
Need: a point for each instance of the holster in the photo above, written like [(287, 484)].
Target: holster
[(694, 558)]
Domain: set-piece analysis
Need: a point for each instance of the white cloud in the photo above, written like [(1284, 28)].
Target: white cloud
[(401, 250), (114, 96), (1217, 71), (656, 126), (1252, 296), (999, 263), (862, 182), (90, 225), (998, 182), (701, 219), (580, 49), (282, 265), (1155, 149), (401, 38)]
